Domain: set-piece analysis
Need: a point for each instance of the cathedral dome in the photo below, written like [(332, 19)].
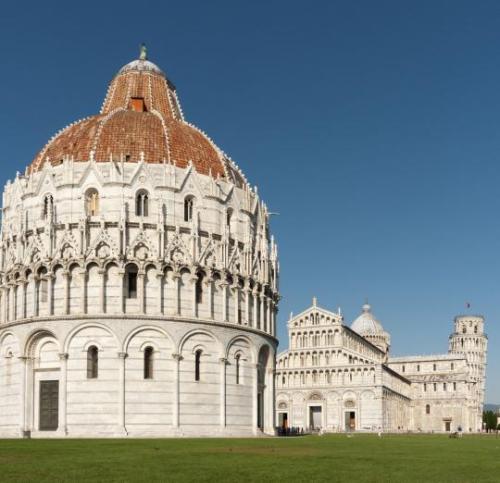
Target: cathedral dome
[(140, 120), (366, 323)]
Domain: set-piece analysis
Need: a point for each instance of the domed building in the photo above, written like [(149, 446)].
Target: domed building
[(139, 280), (367, 325), (339, 378)]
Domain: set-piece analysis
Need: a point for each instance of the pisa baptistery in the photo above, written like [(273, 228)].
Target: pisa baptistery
[(139, 280)]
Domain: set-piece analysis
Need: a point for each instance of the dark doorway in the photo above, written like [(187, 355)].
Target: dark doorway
[(315, 418), (49, 405), (283, 420), (447, 426), (350, 421)]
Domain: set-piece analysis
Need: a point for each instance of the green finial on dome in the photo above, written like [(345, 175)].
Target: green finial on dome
[(144, 52)]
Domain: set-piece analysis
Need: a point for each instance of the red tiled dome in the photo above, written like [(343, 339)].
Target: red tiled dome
[(140, 119)]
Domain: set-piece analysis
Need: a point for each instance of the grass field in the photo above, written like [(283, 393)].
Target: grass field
[(363, 458)]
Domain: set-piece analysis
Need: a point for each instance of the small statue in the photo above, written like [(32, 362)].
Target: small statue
[(144, 52)]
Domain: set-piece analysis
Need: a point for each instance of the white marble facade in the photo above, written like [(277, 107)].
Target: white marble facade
[(136, 299), (339, 378)]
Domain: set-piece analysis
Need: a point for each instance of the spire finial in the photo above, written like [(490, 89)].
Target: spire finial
[(315, 301), (143, 52)]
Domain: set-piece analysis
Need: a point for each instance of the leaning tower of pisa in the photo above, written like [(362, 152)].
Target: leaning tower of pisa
[(470, 341)]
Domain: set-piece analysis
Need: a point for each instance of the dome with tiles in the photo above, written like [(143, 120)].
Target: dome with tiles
[(141, 120)]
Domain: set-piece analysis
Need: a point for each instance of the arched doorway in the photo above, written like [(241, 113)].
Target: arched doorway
[(42, 388)]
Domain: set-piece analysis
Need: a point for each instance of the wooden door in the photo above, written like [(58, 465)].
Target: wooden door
[(49, 405)]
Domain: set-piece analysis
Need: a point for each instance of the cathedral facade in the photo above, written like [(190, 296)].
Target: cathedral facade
[(338, 378), (139, 280)]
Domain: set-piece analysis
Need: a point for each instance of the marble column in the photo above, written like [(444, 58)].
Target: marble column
[(66, 276), (141, 291), (210, 291), (248, 321), (175, 403), (176, 278), (223, 287), (122, 275), (236, 291), (121, 393), (255, 395), (193, 279), (63, 391), (50, 293), (24, 303), (159, 280), (262, 324), (223, 364), (83, 295), (22, 394)]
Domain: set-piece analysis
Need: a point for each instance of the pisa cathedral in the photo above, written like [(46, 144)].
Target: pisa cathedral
[(139, 294), (139, 280), (339, 378)]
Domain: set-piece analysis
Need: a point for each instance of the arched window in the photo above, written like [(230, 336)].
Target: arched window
[(475, 329), (199, 288), (148, 363), (229, 214), (188, 208), (92, 202), (92, 362), (131, 282), (197, 358), (464, 329), (48, 206), (141, 203), (237, 358), (428, 409)]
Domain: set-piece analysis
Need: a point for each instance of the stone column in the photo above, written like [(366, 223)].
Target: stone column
[(223, 287), (36, 282), (50, 293), (83, 300), (102, 291), (223, 363), (159, 278), (255, 314), (122, 274), (24, 303), (269, 404), (236, 291), (247, 307), (262, 325), (141, 291), (63, 391), (210, 287), (255, 395), (14, 300), (176, 278), (22, 394), (193, 280), (66, 291), (175, 404), (8, 303), (268, 316), (121, 393)]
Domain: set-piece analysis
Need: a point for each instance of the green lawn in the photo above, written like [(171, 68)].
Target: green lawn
[(364, 458)]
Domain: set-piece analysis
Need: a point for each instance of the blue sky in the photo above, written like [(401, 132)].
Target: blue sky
[(371, 127)]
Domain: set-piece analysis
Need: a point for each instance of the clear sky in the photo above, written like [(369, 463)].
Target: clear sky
[(371, 127)]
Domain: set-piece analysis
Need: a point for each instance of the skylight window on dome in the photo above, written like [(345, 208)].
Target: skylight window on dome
[(137, 104)]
